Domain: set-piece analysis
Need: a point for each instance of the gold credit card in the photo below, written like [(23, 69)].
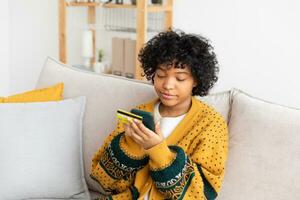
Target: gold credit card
[(125, 116)]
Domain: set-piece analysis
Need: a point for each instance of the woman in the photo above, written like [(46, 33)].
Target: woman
[(184, 157)]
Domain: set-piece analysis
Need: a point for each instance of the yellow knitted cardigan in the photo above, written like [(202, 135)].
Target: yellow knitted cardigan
[(189, 164)]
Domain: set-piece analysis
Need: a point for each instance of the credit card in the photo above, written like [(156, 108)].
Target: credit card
[(123, 116)]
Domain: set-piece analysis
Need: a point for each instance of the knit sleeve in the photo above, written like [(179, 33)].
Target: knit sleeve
[(196, 175), (114, 165)]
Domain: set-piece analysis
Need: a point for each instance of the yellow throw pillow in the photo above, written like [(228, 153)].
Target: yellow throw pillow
[(53, 93)]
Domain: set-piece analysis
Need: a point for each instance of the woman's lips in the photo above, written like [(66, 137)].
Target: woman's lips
[(167, 96)]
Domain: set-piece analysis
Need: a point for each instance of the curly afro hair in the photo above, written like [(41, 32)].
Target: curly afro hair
[(178, 49)]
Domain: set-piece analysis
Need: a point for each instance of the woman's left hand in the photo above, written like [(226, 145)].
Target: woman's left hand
[(144, 136)]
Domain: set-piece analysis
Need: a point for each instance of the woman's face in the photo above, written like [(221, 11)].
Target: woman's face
[(174, 85)]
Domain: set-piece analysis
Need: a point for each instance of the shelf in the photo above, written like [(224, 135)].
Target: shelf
[(70, 4), (104, 5), (162, 8), (113, 5), (142, 9), (150, 8), (82, 67)]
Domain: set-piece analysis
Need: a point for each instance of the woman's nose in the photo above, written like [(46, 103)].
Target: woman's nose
[(168, 84)]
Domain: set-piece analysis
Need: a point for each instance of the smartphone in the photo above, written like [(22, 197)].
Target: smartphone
[(147, 120)]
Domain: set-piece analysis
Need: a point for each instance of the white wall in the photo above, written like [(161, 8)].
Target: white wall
[(33, 36), (256, 42), (4, 48)]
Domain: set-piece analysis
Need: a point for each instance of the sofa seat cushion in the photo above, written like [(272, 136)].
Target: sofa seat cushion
[(94, 195), (264, 151)]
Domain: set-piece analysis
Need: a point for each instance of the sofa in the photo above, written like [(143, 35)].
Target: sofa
[(264, 137)]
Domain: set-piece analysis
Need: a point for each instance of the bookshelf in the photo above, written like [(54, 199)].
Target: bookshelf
[(142, 9)]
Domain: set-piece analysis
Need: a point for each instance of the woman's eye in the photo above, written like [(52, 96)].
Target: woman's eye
[(178, 79), (159, 76)]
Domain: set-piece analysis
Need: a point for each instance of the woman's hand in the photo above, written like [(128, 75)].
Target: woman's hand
[(142, 135)]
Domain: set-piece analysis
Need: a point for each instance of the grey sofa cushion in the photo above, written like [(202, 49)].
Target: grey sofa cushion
[(38, 142), (264, 149), (104, 95)]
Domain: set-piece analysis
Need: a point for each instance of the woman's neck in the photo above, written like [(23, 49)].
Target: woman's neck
[(175, 111)]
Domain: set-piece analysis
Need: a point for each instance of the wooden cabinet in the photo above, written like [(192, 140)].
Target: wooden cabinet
[(142, 8)]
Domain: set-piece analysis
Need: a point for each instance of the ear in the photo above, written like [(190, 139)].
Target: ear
[(195, 84)]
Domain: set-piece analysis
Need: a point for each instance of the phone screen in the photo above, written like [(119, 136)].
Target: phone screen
[(148, 120)]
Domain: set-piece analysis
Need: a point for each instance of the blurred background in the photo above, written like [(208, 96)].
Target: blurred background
[(257, 42)]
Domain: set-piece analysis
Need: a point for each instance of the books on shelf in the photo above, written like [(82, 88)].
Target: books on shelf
[(117, 63), (123, 57), (129, 58)]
